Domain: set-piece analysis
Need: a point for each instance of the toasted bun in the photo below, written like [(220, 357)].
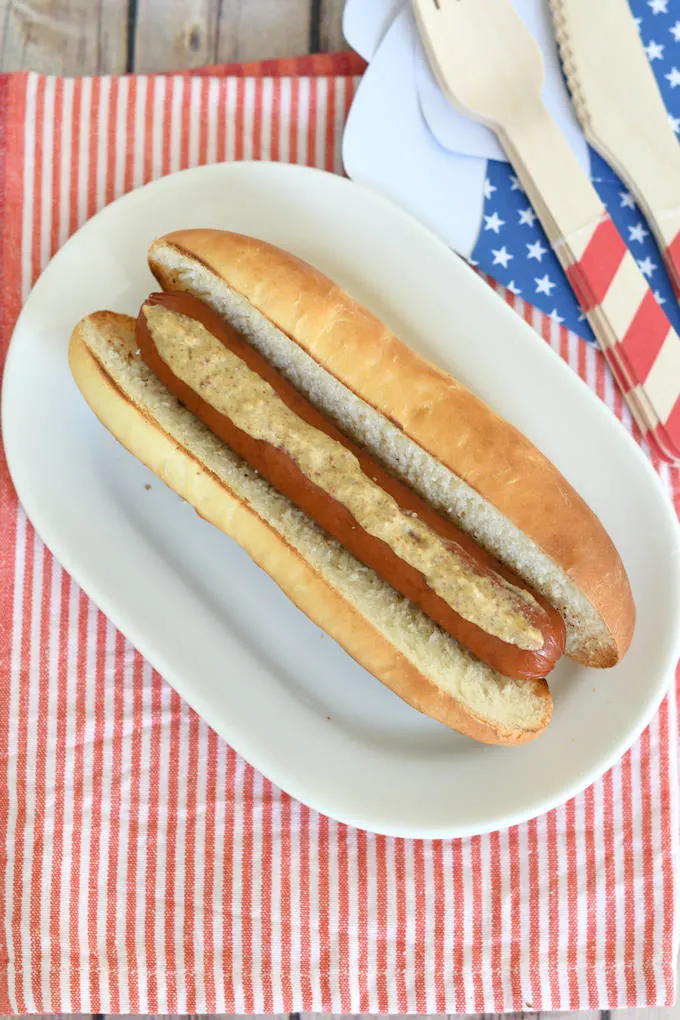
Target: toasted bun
[(384, 632), (430, 431)]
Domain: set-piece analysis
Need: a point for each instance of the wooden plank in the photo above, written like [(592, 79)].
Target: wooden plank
[(178, 34), (174, 35), (658, 1013), (91, 36), (63, 36), (257, 29), (331, 38)]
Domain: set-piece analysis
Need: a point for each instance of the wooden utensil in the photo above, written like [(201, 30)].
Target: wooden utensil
[(487, 63), (621, 110)]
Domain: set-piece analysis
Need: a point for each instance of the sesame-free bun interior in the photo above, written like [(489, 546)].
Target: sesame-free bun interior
[(384, 632), (425, 426)]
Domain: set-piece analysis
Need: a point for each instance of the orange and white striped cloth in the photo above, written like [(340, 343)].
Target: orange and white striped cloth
[(144, 866)]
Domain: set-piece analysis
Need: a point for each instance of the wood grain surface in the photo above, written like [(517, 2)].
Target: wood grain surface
[(112, 36), (77, 37)]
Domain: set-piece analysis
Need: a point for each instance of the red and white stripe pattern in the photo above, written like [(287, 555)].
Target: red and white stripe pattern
[(668, 238), (641, 346), (145, 867)]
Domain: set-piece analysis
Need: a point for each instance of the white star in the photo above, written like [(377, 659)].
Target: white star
[(514, 184), (661, 300), (501, 257), (473, 263), (675, 31), (637, 233), (536, 251), (658, 6), (514, 288), (673, 77), (647, 266), (654, 50), (674, 122), (555, 317), (638, 22), (493, 222), (544, 285), (626, 200), (489, 188), (527, 216)]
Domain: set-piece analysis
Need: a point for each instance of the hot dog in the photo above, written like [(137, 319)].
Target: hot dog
[(421, 554), (429, 537)]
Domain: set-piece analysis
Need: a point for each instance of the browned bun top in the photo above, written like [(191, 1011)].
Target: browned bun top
[(431, 407)]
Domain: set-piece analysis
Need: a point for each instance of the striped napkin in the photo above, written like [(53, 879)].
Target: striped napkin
[(144, 866)]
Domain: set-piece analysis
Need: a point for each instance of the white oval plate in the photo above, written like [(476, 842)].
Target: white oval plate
[(286, 697)]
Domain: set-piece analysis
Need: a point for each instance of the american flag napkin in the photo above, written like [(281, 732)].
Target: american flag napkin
[(512, 246)]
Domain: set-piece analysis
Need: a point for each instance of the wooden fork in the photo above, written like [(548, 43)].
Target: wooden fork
[(622, 112), (488, 64)]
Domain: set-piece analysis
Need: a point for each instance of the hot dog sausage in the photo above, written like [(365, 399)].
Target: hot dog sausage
[(248, 403)]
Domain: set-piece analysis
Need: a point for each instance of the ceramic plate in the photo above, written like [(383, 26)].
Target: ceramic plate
[(269, 682)]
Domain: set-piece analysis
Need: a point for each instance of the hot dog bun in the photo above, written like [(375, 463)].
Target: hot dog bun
[(380, 629), (228, 385), (431, 432)]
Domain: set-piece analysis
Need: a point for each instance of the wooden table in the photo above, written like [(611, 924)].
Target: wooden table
[(113, 36)]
